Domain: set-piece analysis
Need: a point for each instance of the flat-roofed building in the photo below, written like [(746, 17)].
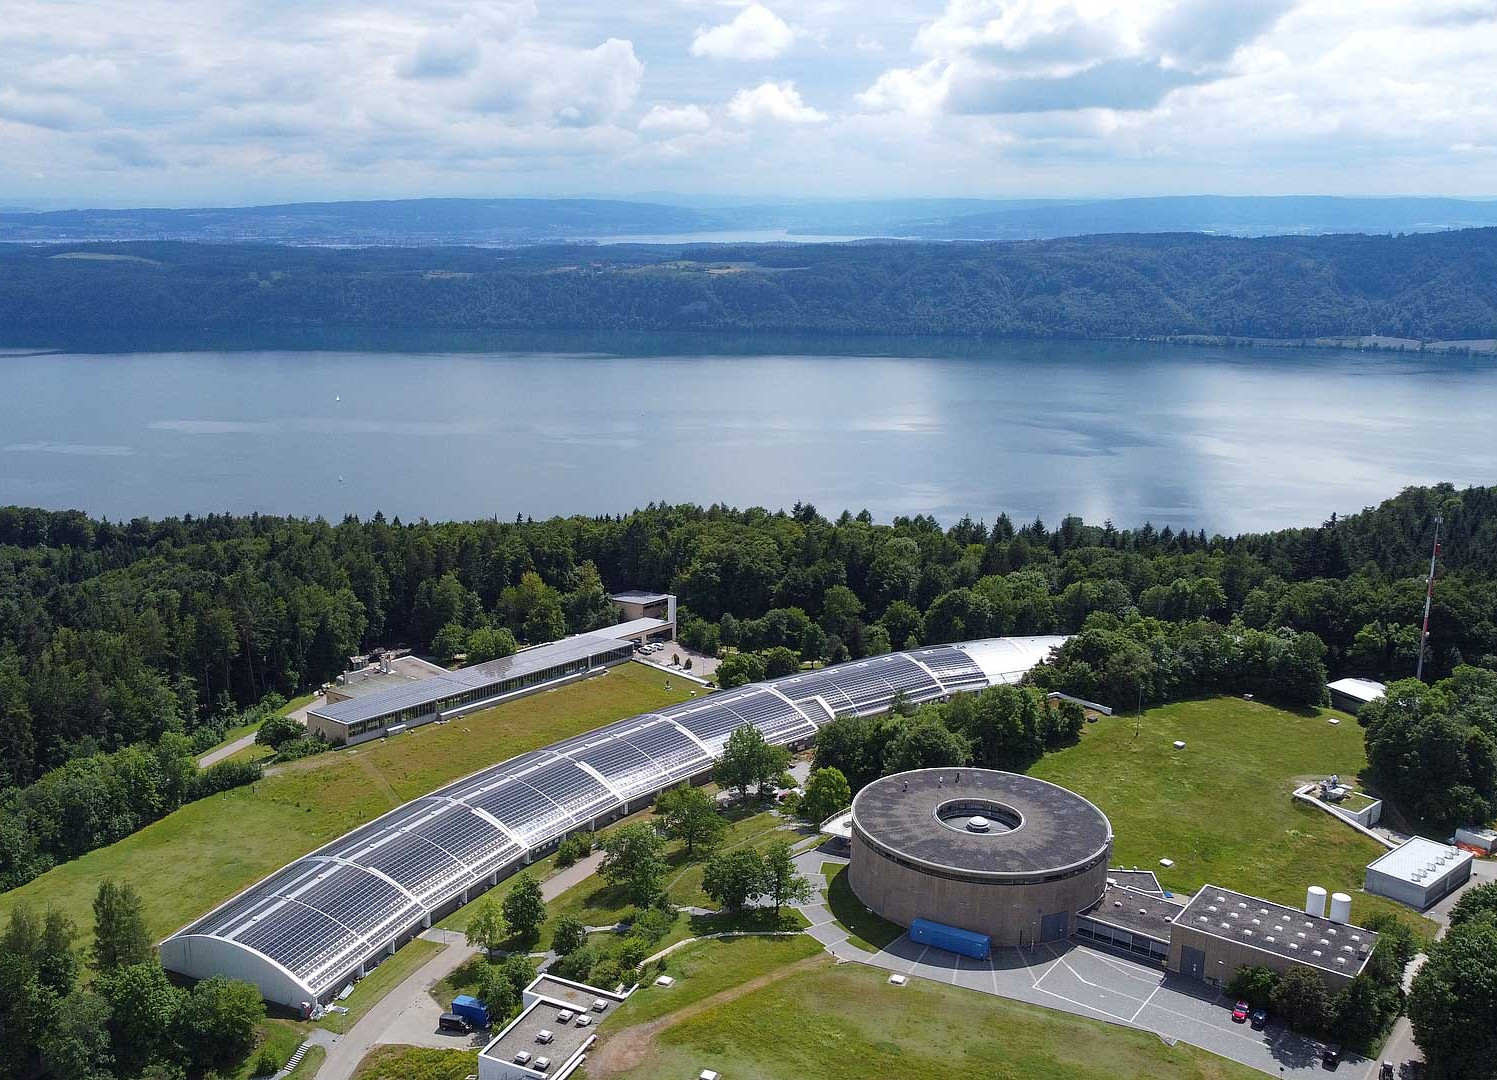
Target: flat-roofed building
[(558, 1022), (1349, 695), (395, 708), (642, 604), (1419, 872), (1137, 921), (1220, 931)]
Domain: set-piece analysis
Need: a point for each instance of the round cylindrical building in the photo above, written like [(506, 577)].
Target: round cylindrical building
[(998, 853)]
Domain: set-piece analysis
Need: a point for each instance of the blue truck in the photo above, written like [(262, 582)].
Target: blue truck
[(951, 938), (471, 1010)]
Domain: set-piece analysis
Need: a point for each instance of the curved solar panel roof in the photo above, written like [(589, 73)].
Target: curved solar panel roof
[(318, 919)]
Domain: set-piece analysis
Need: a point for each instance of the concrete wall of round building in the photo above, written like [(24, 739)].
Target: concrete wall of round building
[(1009, 912)]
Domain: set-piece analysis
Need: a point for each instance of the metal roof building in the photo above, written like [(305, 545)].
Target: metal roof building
[(1419, 872), (304, 931)]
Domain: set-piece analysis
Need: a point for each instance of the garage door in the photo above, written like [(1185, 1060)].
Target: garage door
[(1193, 962), (1053, 927)]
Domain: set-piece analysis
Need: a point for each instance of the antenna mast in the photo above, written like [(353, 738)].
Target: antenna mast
[(1429, 593)]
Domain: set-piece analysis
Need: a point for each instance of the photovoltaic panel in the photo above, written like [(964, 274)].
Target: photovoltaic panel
[(953, 667), (419, 865), (466, 836), (463, 788), (572, 788), (253, 900), (806, 687), (357, 899), (669, 748), (528, 813), (627, 768), (301, 939)]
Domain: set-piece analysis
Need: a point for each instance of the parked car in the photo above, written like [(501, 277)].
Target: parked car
[(1240, 1012), (1385, 1071), (1330, 1057), (1259, 1019), (452, 1022)]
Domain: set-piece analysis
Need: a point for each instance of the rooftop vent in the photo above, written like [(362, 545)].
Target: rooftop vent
[(978, 824)]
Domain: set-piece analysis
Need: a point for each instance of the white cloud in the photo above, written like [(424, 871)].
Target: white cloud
[(675, 118), (756, 33), (773, 101)]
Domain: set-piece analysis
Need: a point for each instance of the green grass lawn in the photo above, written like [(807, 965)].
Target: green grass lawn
[(868, 931), (1222, 808), (204, 853), (416, 1063), (282, 1036), (704, 968), (307, 1067), (379, 982), (845, 1022)]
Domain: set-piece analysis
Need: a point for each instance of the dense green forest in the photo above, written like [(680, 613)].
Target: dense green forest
[(1432, 286), (126, 647)]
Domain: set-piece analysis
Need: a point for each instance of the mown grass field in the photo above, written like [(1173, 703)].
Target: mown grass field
[(845, 1022), (1222, 808), (206, 852)]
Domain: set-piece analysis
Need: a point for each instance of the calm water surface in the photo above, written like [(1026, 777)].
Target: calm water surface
[(1227, 440)]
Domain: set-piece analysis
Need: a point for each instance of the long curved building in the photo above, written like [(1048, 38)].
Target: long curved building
[(305, 931)]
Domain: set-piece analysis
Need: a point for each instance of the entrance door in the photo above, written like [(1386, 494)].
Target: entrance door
[(1053, 927), (1192, 962)]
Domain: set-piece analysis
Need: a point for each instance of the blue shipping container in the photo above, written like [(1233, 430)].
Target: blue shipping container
[(951, 938), (471, 1010)]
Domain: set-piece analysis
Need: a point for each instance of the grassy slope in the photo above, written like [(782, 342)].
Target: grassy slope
[(705, 968), (209, 850), (847, 1023), (415, 1063), (1222, 808), (868, 931)]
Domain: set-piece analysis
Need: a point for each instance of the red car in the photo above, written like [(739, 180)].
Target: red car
[(1240, 1012)]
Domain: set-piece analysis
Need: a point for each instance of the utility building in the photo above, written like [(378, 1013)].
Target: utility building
[(1419, 872), (1220, 931)]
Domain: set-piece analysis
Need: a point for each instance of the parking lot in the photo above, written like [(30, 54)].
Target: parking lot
[(1116, 989)]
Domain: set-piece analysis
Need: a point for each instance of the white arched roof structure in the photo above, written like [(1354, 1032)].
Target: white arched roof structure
[(302, 932)]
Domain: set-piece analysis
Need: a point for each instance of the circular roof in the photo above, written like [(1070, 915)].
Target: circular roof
[(923, 817)]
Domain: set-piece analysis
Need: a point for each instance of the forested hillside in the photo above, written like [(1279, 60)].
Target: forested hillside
[(121, 642), (1433, 287)]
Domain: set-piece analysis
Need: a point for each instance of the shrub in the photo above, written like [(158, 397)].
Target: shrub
[(577, 965), (574, 847), (305, 746), (278, 730), (267, 1063), (222, 777)]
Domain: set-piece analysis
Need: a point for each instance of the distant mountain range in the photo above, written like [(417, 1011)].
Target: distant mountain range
[(513, 222)]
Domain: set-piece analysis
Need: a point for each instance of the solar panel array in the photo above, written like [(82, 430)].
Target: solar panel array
[(321, 916)]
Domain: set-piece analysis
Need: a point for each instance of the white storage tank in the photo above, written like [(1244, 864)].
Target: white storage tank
[(1315, 901), (1340, 908)]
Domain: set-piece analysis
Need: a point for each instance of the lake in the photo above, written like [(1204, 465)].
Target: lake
[(1196, 437)]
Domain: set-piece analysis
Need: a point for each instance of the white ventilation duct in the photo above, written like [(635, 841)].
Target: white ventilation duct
[(1315, 901), (1340, 908)]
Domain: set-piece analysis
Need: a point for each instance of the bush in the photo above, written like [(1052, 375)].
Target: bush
[(577, 965), (574, 847), (653, 923), (1255, 985), (267, 1063), (222, 777), (305, 746), (632, 954), (278, 730), (606, 974)]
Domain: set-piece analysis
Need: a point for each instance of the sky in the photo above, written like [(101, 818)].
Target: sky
[(162, 103)]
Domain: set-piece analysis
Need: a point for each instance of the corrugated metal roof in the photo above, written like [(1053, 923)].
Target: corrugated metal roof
[(489, 673)]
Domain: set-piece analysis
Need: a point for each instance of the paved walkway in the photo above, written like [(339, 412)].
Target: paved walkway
[(213, 757), (408, 1014)]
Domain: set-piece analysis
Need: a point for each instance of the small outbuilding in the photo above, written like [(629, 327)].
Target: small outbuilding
[(1419, 872), (1349, 695)]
